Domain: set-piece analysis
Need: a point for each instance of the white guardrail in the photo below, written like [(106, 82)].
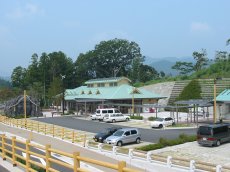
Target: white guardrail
[(152, 157)]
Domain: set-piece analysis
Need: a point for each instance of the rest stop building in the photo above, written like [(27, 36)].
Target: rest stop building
[(113, 92)]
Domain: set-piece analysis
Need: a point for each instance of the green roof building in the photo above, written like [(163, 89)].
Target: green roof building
[(108, 92), (223, 103)]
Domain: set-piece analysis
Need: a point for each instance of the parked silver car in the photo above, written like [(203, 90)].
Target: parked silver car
[(124, 136)]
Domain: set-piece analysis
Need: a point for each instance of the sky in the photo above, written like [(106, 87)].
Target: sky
[(162, 28)]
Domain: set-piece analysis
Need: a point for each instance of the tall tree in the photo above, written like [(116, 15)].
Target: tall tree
[(184, 68), (18, 77), (201, 59)]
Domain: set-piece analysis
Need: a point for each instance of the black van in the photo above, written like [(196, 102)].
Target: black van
[(213, 134)]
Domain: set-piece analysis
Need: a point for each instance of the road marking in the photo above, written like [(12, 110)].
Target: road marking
[(41, 159)]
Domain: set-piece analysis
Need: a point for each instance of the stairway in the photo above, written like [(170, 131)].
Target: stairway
[(177, 89)]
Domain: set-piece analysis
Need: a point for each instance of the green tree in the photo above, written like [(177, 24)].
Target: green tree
[(55, 91), (201, 59), (147, 73), (184, 68), (110, 58), (18, 77)]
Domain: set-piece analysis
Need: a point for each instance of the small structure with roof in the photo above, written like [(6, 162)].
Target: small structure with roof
[(111, 92), (223, 104)]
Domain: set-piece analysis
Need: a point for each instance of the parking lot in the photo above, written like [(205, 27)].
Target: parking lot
[(193, 151)]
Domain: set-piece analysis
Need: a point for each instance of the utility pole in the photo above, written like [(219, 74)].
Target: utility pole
[(63, 93), (25, 108)]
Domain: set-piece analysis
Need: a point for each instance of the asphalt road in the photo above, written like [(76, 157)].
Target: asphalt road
[(148, 135), (2, 169)]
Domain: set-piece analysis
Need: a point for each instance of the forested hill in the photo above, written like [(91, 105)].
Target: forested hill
[(4, 83)]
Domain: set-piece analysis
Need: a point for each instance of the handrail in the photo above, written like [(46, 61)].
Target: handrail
[(8, 152)]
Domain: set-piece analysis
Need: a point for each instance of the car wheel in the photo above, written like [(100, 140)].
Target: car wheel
[(218, 143), (138, 140), (127, 119), (160, 126), (113, 120), (119, 143)]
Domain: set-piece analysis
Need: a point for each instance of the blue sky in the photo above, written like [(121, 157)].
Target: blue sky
[(162, 28)]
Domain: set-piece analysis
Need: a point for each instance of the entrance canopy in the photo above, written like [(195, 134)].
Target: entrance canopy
[(198, 102)]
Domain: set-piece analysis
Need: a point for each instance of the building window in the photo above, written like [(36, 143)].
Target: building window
[(113, 84), (100, 84), (90, 85)]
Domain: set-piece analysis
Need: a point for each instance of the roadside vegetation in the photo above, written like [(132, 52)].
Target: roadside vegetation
[(162, 143)]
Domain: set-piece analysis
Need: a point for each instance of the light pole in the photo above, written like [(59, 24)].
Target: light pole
[(133, 100), (63, 93), (214, 105)]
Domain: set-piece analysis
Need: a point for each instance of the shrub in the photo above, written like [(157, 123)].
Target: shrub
[(151, 118), (137, 117), (183, 138)]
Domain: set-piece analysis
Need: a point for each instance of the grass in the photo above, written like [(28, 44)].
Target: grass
[(162, 143), (182, 125)]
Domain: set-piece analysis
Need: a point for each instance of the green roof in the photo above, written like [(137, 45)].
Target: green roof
[(124, 91), (224, 96), (103, 80)]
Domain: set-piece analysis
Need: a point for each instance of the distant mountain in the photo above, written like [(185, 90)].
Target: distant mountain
[(165, 64)]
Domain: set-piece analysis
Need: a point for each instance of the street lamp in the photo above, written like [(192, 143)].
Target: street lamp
[(63, 93), (133, 100)]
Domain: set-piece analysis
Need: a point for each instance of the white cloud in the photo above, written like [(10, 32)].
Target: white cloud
[(199, 27), (26, 10)]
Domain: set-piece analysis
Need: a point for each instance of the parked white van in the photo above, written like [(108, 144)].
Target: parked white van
[(115, 118), (100, 113)]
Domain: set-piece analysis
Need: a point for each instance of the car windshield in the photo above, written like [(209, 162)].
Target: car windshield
[(159, 119), (118, 133), (105, 131), (205, 130)]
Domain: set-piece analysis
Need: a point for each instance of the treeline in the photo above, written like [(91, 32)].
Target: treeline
[(48, 74)]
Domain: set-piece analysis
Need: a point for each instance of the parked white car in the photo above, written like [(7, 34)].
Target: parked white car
[(162, 122), (115, 118), (93, 116)]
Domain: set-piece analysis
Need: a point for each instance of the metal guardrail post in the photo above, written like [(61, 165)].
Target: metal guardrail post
[(218, 168), (192, 166), (169, 161), (100, 147), (130, 153), (27, 156), (121, 166), (76, 162), (87, 144), (3, 147), (13, 151), (114, 150), (148, 156), (48, 155)]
